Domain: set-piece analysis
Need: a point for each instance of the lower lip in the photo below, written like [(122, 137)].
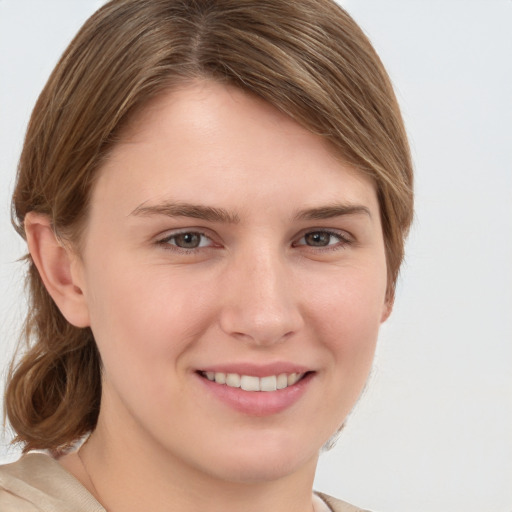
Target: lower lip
[(258, 403)]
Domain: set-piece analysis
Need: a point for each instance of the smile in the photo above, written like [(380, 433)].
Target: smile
[(253, 383)]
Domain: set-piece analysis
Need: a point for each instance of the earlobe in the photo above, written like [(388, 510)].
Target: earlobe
[(387, 308), (57, 266)]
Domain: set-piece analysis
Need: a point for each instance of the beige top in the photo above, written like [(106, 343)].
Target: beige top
[(38, 483)]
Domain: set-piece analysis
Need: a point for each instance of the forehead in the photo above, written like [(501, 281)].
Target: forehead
[(206, 106), (225, 144)]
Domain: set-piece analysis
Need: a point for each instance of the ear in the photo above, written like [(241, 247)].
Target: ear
[(59, 268), (388, 307)]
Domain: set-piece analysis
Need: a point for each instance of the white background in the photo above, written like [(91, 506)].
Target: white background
[(434, 430)]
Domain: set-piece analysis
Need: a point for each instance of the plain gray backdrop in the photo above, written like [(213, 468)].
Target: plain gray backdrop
[(434, 429)]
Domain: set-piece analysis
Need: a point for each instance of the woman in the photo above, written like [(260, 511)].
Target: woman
[(215, 196)]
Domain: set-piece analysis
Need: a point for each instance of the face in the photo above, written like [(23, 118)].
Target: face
[(227, 243)]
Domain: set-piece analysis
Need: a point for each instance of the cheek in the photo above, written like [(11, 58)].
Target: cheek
[(141, 330), (144, 317), (348, 313)]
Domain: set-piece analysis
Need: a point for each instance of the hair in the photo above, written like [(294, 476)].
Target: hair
[(308, 58)]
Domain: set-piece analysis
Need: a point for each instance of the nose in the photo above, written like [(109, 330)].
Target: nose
[(260, 303)]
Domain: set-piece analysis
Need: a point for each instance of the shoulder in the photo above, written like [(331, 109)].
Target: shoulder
[(38, 483), (338, 505)]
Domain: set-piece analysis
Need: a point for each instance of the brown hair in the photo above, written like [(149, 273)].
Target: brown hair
[(308, 58)]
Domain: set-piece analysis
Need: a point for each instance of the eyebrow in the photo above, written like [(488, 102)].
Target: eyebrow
[(335, 210), (212, 214), (171, 209)]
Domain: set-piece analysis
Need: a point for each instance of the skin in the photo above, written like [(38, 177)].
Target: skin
[(258, 289)]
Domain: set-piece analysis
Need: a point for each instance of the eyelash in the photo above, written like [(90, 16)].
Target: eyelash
[(343, 241), (165, 242)]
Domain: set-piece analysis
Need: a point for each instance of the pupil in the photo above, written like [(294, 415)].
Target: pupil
[(318, 239), (188, 240)]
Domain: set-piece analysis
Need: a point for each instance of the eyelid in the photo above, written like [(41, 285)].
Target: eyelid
[(344, 239), (164, 239), (343, 236)]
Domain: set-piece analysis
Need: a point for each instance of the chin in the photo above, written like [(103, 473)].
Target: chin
[(266, 460), (261, 470)]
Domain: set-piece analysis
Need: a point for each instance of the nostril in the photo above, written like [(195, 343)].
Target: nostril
[(260, 327)]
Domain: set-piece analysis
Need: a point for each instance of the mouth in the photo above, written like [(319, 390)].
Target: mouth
[(256, 390), (254, 383)]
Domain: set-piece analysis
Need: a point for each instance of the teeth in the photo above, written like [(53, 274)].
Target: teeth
[(249, 383), (220, 378), (292, 379), (252, 383), (282, 381), (268, 383), (233, 380)]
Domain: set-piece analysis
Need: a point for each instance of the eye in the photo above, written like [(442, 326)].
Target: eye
[(323, 238), (187, 240)]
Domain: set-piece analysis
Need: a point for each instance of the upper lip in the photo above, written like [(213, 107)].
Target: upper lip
[(256, 370)]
